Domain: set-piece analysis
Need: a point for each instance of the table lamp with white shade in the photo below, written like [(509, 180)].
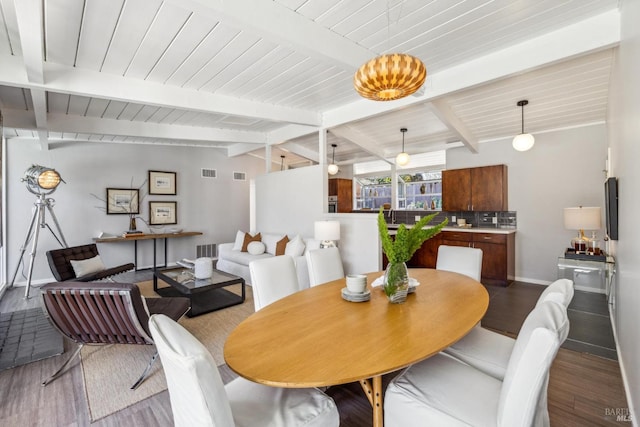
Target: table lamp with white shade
[(327, 232), (582, 218)]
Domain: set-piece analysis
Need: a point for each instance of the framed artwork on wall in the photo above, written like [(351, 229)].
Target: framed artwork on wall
[(163, 213), (122, 201), (161, 182)]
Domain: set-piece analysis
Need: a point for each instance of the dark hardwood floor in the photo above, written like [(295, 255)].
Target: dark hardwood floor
[(584, 389)]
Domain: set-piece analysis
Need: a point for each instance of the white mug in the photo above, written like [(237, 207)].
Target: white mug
[(356, 283)]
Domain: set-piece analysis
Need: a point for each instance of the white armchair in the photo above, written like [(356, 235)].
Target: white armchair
[(324, 265), (199, 398), (444, 391)]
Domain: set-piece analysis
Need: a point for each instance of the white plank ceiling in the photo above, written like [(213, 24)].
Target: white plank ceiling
[(240, 75)]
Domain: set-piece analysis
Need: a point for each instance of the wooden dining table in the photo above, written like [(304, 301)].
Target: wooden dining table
[(315, 338)]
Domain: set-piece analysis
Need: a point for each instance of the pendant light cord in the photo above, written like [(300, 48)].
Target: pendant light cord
[(522, 109)]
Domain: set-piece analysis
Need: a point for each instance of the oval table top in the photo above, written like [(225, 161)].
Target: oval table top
[(316, 338)]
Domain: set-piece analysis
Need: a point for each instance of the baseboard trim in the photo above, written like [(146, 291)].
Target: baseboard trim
[(623, 371)]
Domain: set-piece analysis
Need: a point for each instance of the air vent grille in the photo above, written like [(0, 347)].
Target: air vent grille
[(239, 176), (209, 173)]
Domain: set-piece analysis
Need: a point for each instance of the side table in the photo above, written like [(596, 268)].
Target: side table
[(590, 276)]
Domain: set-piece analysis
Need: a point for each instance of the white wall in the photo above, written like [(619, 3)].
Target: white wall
[(563, 169), (292, 200), (624, 133), (216, 207)]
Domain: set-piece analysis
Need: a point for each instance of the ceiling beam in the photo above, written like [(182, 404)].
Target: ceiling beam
[(30, 26), (21, 119), (74, 81), (302, 151), (281, 25), (443, 111), (362, 140)]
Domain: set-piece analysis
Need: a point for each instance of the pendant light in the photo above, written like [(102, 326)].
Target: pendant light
[(333, 168), (403, 158), (524, 141), (282, 162), (389, 76)]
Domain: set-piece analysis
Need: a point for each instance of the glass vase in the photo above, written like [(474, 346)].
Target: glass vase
[(396, 282)]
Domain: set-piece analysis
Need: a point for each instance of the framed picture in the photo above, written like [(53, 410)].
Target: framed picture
[(162, 213), (162, 183), (122, 201)]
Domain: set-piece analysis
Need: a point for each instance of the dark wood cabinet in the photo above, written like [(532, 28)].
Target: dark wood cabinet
[(475, 189), (498, 257), (343, 189), (498, 253)]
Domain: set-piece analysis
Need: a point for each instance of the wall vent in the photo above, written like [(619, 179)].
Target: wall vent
[(208, 173), (239, 176), (209, 250)]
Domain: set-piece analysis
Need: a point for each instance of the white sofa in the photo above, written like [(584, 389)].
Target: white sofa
[(234, 261)]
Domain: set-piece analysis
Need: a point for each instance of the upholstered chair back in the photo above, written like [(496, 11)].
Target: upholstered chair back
[(460, 259), (527, 372), (324, 265), (272, 278), (196, 390)]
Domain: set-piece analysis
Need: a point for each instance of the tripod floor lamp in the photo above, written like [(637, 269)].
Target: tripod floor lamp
[(40, 181)]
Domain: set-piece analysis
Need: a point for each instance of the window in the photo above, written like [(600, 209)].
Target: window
[(419, 187)]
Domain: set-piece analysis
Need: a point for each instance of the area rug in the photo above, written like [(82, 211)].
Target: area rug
[(110, 371)]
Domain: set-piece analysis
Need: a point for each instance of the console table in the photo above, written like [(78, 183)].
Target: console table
[(142, 236)]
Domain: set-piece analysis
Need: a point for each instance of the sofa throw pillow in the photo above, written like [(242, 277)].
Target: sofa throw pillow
[(256, 248), (281, 246), (270, 241), (87, 266), (295, 247), (248, 238), (237, 245)]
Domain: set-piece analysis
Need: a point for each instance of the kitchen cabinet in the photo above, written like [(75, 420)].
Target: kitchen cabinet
[(475, 189), (343, 189), (498, 253)]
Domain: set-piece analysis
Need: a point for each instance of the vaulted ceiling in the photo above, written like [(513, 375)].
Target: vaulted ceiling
[(241, 75)]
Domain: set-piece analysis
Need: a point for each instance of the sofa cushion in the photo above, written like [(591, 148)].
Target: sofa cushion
[(248, 238), (256, 248), (244, 258), (281, 246), (237, 245), (295, 247), (271, 241)]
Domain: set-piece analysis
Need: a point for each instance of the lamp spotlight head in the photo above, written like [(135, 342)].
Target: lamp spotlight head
[(41, 179)]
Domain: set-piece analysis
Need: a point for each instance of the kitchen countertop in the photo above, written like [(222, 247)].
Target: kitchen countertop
[(393, 227)]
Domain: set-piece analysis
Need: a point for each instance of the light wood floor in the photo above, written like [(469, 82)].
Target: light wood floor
[(583, 388)]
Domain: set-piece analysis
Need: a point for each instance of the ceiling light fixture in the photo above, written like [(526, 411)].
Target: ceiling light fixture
[(282, 162), (390, 76), (402, 158), (524, 141), (333, 168)]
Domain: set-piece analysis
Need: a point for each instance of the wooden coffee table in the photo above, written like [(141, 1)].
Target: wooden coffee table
[(205, 295)]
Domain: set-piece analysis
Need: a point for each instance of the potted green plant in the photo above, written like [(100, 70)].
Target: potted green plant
[(400, 250)]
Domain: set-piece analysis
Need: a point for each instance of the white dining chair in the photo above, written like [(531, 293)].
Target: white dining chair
[(490, 351), (199, 398), (443, 391), (460, 259), (324, 265), (272, 278)]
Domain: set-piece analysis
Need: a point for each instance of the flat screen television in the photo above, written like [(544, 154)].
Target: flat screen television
[(611, 207)]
